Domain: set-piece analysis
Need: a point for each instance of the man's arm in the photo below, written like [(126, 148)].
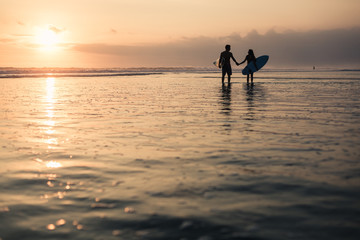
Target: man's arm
[(234, 60)]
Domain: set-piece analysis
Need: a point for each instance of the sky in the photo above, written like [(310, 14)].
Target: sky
[(177, 33)]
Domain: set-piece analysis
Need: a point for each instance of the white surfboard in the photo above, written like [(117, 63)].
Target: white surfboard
[(218, 63), (260, 62)]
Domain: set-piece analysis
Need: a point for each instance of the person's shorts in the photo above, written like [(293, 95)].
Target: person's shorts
[(227, 70)]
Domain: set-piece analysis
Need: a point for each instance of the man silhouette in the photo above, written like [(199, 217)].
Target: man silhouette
[(225, 57)]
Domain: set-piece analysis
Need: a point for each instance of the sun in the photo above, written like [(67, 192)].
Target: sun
[(48, 38)]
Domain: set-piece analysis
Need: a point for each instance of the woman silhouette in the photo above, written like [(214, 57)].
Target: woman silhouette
[(250, 58)]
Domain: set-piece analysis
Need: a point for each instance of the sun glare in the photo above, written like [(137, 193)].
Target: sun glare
[(47, 38), (53, 164)]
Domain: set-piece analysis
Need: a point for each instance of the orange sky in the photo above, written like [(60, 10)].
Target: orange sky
[(82, 33)]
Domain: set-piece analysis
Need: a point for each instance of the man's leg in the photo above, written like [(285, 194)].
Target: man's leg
[(223, 75), (229, 72)]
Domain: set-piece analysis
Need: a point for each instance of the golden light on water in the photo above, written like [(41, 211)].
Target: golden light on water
[(53, 164), (60, 222), (51, 227), (50, 184), (51, 142), (50, 88), (50, 123), (49, 103), (49, 131)]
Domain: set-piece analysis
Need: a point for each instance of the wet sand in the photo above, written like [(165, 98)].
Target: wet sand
[(178, 156)]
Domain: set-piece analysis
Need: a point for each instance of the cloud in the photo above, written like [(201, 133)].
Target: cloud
[(330, 47), (55, 29), (14, 39), (113, 31), (186, 52), (6, 40), (339, 47)]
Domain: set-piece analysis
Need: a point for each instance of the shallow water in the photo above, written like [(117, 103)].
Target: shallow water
[(178, 156)]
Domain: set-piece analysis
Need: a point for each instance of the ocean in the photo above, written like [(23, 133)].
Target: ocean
[(170, 153)]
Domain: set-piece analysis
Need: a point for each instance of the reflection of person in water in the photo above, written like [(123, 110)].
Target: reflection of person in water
[(225, 57), (250, 115), (250, 58), (226, 99), (255, 96), (225, 104)]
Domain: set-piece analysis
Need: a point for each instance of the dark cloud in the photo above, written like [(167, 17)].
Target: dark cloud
[(338, 47), (331, 47)]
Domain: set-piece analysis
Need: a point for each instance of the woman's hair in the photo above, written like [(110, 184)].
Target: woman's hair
[(251, 52)]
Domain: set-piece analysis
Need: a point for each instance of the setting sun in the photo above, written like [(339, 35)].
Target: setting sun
[(48, 38)]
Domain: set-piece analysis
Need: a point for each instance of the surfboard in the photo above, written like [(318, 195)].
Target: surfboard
[(218, 63), (260, 62)]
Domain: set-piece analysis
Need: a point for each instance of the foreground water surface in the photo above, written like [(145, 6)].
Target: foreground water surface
[(178, 156)]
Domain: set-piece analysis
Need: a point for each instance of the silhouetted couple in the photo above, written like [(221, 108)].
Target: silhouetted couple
[(225, 57)]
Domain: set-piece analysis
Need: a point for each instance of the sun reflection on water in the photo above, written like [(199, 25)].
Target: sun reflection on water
[(50, 123), (50, 89), (53, 164)]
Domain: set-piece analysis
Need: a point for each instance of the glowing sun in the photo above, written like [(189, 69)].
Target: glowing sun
[(48, 38)]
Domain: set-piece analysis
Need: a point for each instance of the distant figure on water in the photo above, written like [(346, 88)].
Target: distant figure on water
[(250, 58), (225, 57)]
